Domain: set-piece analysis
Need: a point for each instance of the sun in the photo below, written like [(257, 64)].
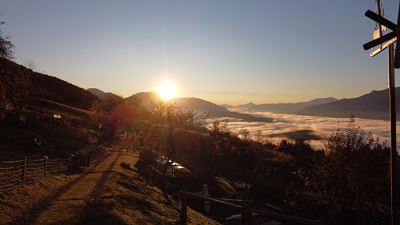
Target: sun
[(166, 90)]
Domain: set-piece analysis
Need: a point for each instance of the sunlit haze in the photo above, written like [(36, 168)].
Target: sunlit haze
[(166, 90)]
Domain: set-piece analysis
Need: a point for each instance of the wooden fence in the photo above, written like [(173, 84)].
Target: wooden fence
[(246, 211), (19, 172)]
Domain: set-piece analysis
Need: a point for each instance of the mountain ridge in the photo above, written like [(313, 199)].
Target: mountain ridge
[(14, 76), (373, 105), (100, 93), (196, 104), (284, 107)]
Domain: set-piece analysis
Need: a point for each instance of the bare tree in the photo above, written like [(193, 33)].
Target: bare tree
[(244, 134), (18, 91), (31, 65), (6, 46)]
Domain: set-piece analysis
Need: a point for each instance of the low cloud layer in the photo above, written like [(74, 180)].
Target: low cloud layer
[(322, 126)]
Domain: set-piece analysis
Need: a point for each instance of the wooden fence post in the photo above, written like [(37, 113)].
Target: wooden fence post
[(206, 203), (24, 171), (71, 162), (183, 208), (86, 159), (249, 213), (246, 214), (89, 158), (83, 159), (45, 166), (58, 166), (243, 215), (79, 164)]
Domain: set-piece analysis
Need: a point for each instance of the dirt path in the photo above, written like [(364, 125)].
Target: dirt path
[(69, 204), (110, 192)]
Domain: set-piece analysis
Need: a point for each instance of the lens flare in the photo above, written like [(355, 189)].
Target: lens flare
[(166, 90)]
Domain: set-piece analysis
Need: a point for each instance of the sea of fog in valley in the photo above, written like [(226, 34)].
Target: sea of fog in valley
[(289, 125)]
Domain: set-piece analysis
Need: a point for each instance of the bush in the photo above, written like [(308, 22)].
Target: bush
[(351, 177), (6, 46)]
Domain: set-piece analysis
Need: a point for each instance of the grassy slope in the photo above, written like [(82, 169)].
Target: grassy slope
[(47, 95), (127, 199), (56, 107), (59, 138), (109, 193), (16, 202), (44, 86)]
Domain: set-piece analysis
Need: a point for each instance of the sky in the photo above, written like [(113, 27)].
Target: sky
[(224, 51)]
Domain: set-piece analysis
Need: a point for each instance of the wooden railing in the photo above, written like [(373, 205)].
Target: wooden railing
[(245, 208), (19, 172)]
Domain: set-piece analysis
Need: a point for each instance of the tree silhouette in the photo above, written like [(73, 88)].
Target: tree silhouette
[(351, 176), (6, 46)]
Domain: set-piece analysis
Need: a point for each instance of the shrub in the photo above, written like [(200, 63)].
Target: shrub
[(351, 178)]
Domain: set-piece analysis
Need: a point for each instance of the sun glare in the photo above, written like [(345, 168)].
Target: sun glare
[(166, 90)]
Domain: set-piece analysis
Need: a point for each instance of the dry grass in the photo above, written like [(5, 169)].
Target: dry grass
[(108, 193), (15, 203), (63, 109), (126, 199)]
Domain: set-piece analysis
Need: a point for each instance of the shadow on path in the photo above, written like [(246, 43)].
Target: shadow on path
[(32, 214), (95, 196)]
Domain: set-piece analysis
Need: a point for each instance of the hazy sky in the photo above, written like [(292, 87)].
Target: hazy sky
[(226, 51)]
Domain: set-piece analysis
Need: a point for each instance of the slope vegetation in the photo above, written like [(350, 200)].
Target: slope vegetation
[(41, 85), (50, 117)]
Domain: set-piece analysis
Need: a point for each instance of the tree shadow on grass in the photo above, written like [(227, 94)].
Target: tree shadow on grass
[(92, 202)]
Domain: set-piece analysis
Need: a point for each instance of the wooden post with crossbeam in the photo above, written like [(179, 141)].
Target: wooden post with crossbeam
[(394, 62), (393, 153)]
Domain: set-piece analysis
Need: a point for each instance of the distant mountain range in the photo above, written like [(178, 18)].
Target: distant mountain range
[(245, 106), (374, 105), (99, 93), (199, 105), (214, 110), (284, 107)]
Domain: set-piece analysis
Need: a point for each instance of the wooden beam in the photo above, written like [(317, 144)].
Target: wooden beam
[(381, 20), (383, 47), (381, 40), (397, 50)]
